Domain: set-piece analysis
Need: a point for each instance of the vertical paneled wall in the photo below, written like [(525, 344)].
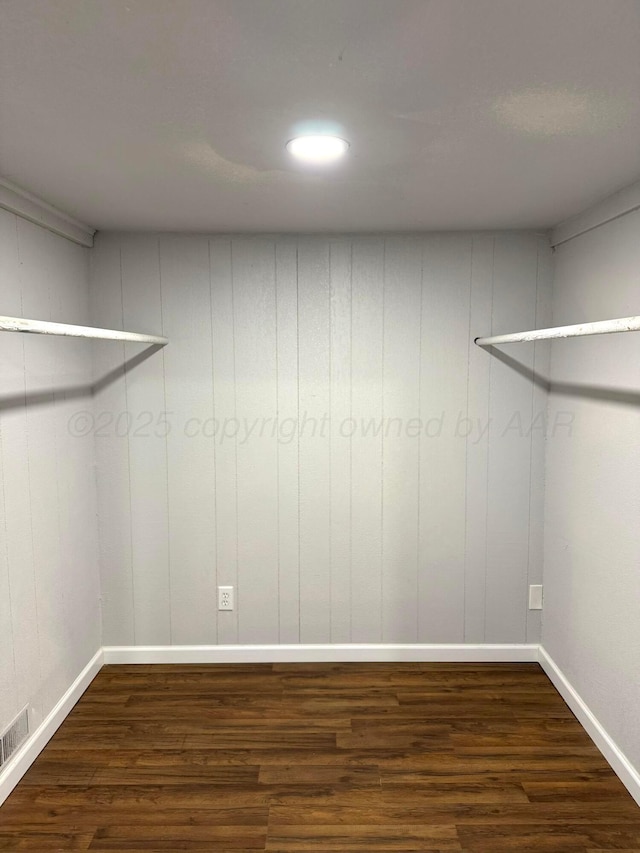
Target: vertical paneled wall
[(49, 582), (592, 547), (322, 434)]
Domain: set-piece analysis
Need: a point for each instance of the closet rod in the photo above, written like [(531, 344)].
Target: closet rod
[(43, 327), (601, 327)]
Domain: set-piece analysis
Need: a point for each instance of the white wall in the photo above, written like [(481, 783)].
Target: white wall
[(49, 583), (401, 537), (592, 555)]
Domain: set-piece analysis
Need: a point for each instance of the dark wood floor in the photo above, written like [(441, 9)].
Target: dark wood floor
[(375, 757)]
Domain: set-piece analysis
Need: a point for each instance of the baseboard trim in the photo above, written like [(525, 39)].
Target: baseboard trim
[(20, 762), (619, 762), (321, 653)]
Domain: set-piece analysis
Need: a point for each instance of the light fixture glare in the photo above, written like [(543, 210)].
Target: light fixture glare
[(317, 149)]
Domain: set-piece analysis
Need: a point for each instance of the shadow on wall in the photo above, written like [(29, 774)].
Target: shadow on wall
[(595, 392), (75, 392), (628, 397)]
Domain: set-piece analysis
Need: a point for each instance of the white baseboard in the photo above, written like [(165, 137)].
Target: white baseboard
[(321, 653), (24, 757), (619, 762)]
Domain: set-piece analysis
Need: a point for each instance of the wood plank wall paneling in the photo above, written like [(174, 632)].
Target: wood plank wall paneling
[(509, 477), (592, 538), (446, 331), (112, 446), (254, 318), (186, 310), (340, 539), (224, 451), (17, 553), (49, 582), (288, 448), (314, 464), (148, 463), (338, 449), (477, 450), (401, 451), (367, 325)]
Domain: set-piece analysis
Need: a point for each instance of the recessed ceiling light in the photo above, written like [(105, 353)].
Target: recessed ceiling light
[(317, 149)]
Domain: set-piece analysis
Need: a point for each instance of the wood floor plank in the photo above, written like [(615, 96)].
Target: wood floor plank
[(40, 817), (43, 840), (321, 757), (526, 765), (231, 776), (554, 837), (451, 791), (312, 774), (461, 814), (269, 738), (168, 796), (265, 757), (363, 837), (136, 836), (607, 787)]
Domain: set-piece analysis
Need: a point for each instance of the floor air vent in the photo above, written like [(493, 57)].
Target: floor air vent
[(14, 736)]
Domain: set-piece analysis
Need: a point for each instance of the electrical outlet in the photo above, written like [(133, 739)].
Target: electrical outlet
[(535, 597), (225, 598)]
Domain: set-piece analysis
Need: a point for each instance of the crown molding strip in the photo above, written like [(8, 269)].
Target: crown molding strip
[(619, 204), (27, 206)]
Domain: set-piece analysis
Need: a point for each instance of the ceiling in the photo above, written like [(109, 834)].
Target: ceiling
[(173, 114)]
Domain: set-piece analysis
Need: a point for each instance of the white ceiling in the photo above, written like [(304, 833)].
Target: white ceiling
[(173, 114)]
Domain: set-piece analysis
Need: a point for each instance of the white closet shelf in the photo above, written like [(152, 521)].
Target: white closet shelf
[(601, 327), (43, 327)]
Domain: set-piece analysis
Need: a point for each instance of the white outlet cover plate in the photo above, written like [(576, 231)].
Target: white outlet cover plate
[(535, 597), (225, 598)]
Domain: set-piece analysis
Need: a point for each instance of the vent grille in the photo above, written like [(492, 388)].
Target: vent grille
[(14, 736)]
